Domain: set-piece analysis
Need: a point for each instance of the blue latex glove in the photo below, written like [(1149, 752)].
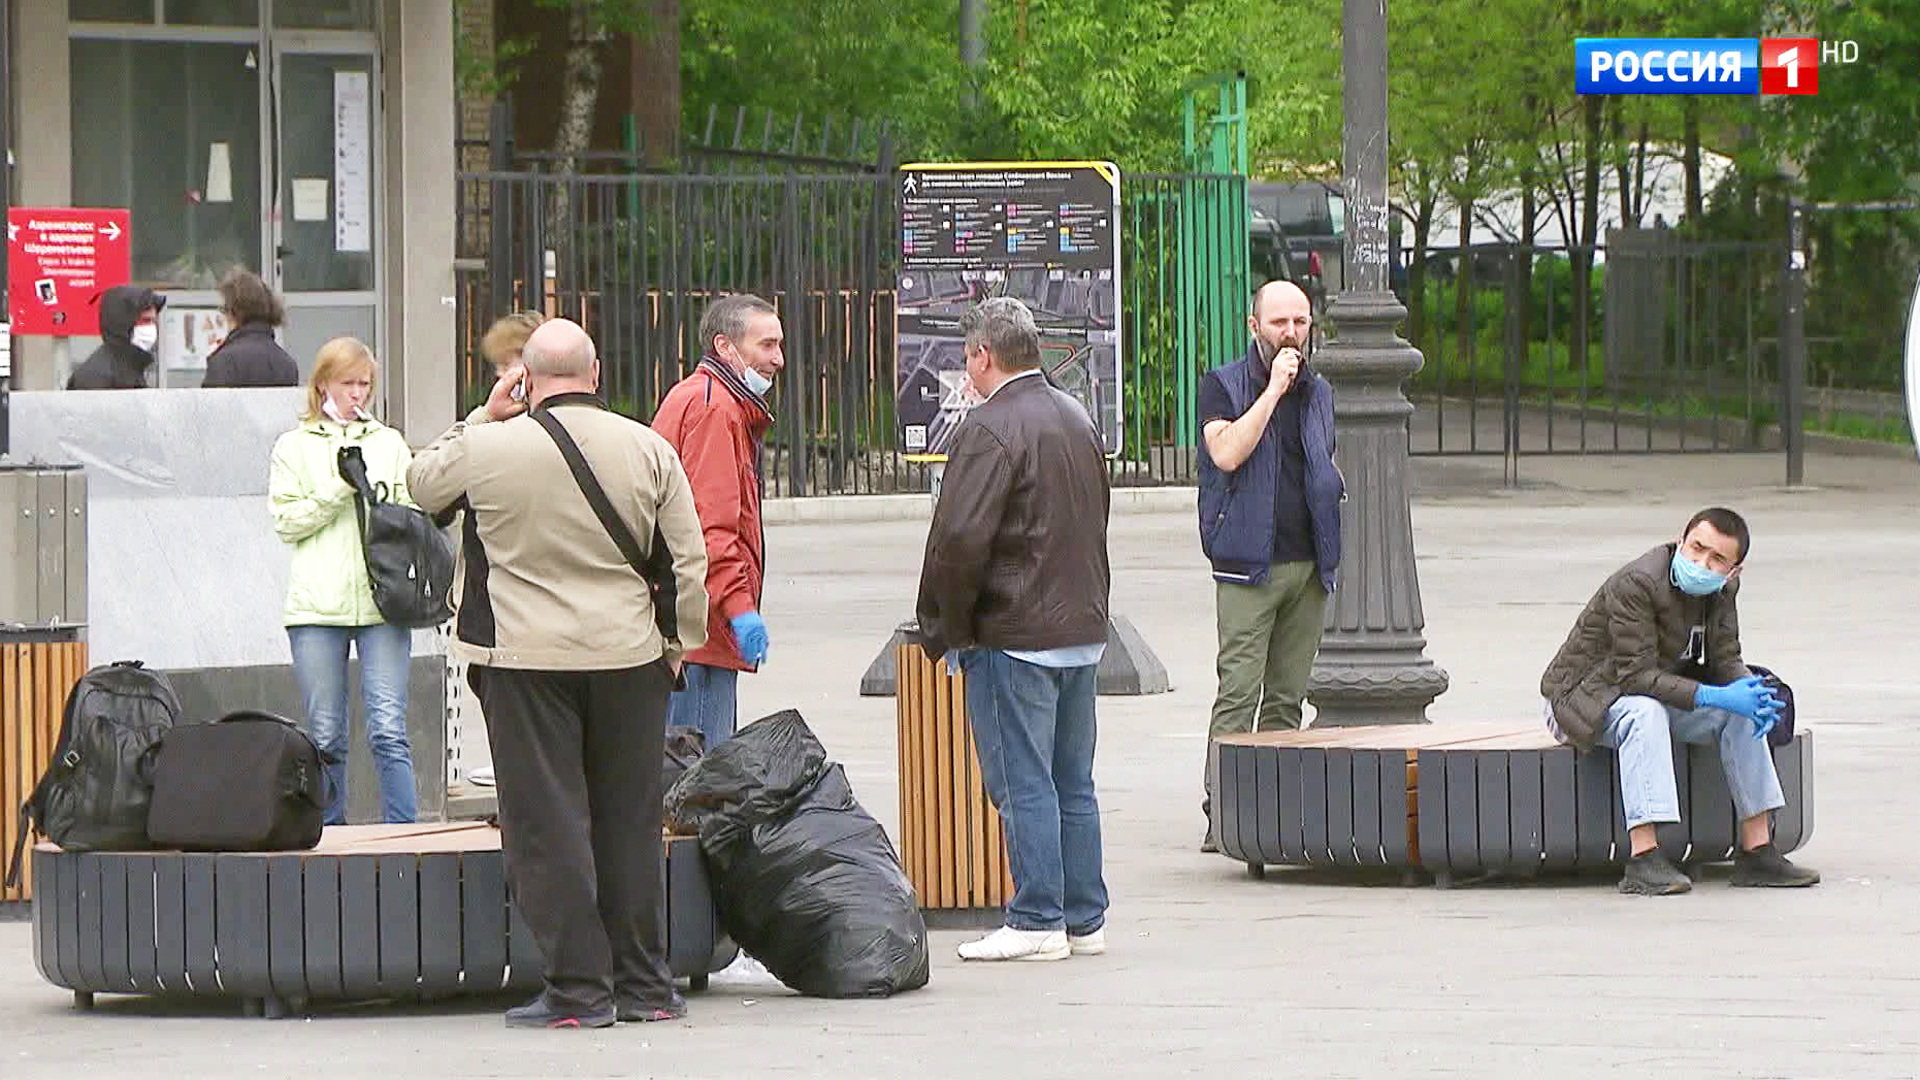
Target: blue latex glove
[(1750, 697), (750, 630)]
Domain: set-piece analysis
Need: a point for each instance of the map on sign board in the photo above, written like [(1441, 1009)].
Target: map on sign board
[(1045, 232)]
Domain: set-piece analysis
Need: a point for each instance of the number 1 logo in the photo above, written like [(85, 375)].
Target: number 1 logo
[(1789, 66)]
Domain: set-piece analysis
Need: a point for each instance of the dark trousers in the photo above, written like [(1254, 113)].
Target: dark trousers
[(577, 771)]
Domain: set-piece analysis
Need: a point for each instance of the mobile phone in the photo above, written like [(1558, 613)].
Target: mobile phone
[(519, 391)]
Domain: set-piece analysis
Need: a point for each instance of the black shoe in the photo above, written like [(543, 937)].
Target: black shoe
[(1652, 875), (538, 1013), (1765, 868), (633, 1011)]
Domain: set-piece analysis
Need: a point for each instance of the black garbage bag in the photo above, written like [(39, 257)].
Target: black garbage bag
[(807, 881)]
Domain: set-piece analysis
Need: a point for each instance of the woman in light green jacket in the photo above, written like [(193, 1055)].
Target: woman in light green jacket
[(329, 600)]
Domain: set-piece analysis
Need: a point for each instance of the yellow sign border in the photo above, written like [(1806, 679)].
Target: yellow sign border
[(1107, 169)]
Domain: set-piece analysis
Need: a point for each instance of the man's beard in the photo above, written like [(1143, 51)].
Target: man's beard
[(1271, 349)]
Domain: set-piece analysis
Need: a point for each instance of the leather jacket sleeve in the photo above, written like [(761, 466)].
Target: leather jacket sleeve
[(973, 500)]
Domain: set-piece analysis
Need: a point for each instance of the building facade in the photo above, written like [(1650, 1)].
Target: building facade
[(311, 141)]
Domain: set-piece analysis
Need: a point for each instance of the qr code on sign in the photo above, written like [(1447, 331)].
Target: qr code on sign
[(916, 437)]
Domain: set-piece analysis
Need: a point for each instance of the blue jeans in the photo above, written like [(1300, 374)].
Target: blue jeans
[(710, 702), (320, 663), (1642, 731), (1035, 730)]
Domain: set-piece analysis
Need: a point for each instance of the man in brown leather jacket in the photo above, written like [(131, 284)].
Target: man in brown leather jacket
[(1015, 582)]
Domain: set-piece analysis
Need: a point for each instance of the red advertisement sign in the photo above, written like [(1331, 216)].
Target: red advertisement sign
[(59, 261)]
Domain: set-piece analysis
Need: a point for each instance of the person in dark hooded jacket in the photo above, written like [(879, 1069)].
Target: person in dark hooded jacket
[(250, 356), (129, 332)]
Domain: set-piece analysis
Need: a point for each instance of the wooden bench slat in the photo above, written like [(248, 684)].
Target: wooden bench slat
[(1340, 795), (1527, 838), (1594, 789), (286, 928), (1313, 805), (1559, 842), (483, 922), (202, 962), (243, 928), (1788, 822), (440, 924), (1495, 809), (1261, 816), (360, 927), (143, 942), (326, 940)]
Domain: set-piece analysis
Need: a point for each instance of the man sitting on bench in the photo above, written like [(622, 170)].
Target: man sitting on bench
[(1655, 656)]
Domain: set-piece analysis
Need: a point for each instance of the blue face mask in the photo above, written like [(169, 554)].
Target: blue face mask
[(755, 381), (1694, 579)]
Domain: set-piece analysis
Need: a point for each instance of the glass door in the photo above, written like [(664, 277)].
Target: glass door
[(327, 189)]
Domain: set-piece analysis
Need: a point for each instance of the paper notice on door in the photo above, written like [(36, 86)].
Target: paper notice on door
[(352, 162), (219, 173), (310, 198)]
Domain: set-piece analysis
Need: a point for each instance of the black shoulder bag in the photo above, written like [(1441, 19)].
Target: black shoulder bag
[(655, 567), (409, 560)]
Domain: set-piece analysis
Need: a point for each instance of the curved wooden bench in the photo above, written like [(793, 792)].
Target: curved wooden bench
[(1468, 800), (375, 911)]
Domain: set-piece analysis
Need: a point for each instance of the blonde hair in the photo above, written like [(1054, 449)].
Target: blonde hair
[(509, 334), (337, 359)]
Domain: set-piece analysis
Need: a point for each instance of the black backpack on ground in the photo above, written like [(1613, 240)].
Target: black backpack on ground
[(95, 794), (250, 781), (409, 560)]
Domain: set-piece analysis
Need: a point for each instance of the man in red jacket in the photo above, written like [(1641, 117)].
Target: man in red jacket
[(716, 418)]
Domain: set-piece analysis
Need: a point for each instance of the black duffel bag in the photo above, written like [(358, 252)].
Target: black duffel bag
[(250, 781)]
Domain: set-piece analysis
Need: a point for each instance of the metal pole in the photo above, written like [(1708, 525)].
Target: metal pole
[(1372, 667), (1793, 349)]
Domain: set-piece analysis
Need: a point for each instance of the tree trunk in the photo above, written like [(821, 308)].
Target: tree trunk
[(1528, 231), (656, 84), (1463, 284), (1623, 168), (1583, 244), (1695, 200), (1640, 176), (1417, 275), (580, 93)]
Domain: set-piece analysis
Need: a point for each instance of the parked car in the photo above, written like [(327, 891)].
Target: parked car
[(1313, 217)]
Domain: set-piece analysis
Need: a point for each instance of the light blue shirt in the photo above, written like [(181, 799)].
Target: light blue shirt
[(1067, 656)]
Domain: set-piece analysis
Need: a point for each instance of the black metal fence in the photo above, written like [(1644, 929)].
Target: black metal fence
[(635, 259), (1646, 345)]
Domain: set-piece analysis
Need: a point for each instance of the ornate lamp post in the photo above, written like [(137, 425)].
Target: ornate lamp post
[(1372, 667)]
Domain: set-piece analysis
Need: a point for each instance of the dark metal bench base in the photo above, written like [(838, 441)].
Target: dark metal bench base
[(349, 921), (1469, 807)]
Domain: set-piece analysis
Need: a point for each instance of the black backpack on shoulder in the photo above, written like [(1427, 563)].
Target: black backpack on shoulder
[(95, 794), (250, 781), (409, 560)]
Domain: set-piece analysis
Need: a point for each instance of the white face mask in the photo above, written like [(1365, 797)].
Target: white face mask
[(755, 381), (145, 337)]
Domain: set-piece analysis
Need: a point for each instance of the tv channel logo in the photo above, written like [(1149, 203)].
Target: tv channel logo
[(1748, 66)]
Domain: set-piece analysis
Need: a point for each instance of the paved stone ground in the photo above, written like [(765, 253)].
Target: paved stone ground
[(1302, 973)]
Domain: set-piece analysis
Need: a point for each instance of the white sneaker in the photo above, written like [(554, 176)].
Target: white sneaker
[(481, 777), (1007, 943), (1092, 944)]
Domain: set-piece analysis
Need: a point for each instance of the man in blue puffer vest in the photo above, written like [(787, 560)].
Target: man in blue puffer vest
[(1270, 499)]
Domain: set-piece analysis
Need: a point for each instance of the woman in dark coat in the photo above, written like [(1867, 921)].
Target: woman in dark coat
[(250, 356)]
